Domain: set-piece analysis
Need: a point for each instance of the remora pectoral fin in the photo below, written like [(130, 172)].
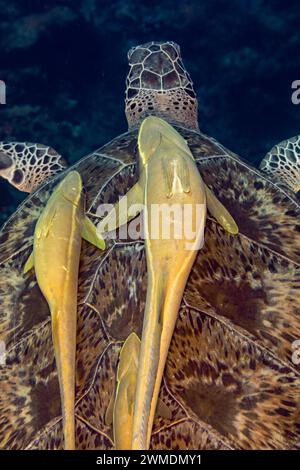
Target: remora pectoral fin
[(89, 233), (176, 175), (123, 211), (29, 264), (220, 213), (129, 355)]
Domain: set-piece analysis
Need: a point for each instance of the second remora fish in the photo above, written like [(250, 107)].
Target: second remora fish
[(121, 406), (55, 257), (120, 410)]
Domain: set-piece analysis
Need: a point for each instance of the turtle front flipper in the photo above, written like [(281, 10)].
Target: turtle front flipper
[(26, 165), (283, 162)]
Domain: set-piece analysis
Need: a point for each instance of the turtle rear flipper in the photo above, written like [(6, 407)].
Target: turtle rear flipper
[(283, 162)]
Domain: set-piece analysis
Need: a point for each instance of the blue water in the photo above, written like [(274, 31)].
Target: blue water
[(64, 64)]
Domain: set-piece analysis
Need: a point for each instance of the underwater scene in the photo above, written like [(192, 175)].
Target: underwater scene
[(64, 64), (149, 225)]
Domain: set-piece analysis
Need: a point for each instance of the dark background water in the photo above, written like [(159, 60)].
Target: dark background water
[(64, 64)]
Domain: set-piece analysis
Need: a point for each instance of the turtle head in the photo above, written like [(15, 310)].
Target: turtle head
[(26, 166), (158, 84)]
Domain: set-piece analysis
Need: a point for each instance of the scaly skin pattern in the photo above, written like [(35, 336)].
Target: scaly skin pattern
[(28, 165), (169, 176), (57, 245), (283, 162)]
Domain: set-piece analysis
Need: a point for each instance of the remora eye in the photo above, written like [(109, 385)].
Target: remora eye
[(18, 177), (5, 161)]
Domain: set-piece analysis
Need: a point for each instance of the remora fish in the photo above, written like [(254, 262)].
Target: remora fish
[(168, 175), (55, 257), (120, 409), (121, 406)]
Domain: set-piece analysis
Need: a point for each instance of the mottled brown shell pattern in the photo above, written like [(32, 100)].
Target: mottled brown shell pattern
[(229, 381)]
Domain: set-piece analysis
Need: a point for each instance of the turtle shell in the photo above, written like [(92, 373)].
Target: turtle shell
[(231, 380)]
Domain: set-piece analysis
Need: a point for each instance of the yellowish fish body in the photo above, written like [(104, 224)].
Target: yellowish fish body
[(120, 410), (56, 255), (125, 393), (171, 178), (168, 178)]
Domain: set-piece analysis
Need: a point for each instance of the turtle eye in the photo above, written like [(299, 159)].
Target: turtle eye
[(5, 161), (17, 177)]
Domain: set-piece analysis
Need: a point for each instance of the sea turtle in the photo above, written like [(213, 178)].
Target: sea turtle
[(231, 380)]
